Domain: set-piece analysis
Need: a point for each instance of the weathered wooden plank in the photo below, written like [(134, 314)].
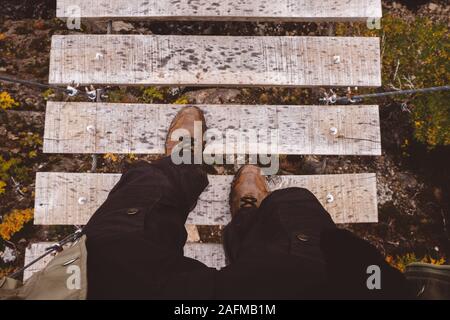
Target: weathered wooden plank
[(71, 198), (138, 128), (215, 60), (77, 195), (329, 130), (210, 254), (258, 10), (192, 232), (34, 251)]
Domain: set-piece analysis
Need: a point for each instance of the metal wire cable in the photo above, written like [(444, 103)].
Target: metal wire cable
[(94, 95), (71, 91), (56, 247), (353, 99)]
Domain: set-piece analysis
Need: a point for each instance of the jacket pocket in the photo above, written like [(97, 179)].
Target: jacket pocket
[(305, 244), (125, 219)]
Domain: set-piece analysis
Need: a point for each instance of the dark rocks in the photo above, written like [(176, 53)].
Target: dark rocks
[(407, 180)]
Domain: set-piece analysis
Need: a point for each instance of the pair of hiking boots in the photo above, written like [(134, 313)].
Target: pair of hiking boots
[(249, 187)]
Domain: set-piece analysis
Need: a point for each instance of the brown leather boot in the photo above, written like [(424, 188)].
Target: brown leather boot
[(249, 188), (185, 119)]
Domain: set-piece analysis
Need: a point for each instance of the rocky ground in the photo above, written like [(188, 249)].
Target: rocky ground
[(412, 181)]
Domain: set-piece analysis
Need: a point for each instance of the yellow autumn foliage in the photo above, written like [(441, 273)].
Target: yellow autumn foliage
[(2, 186), (6, 101), (14, 222), (6, 271), (132, 157), (400, 262), (111, 157)]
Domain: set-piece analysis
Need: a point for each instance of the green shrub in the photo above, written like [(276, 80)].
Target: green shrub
[(152, 94), (415, 54), (421, 49), (117, 96), (431, 115)]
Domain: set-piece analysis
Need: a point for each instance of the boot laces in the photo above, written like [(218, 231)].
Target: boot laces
[(248, 202)]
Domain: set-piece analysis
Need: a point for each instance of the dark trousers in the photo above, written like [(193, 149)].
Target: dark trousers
[(135, 242), (274, 250), (135, 239)]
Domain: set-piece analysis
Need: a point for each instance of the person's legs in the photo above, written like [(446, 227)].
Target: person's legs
[(159, 186), (289, 247), (275, 249), (292, 214), (135, 239)]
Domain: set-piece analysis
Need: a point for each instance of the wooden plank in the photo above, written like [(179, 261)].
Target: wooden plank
[(34, 251), (77, 195), (71, 198), (142, 129), (215, 60), (210, 254), (253, 10), (310, 130), (192, 232)]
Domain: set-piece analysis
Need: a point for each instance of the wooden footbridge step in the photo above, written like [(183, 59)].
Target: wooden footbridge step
[(248, 10), (141, 128), (215, 60), (72, 198)]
